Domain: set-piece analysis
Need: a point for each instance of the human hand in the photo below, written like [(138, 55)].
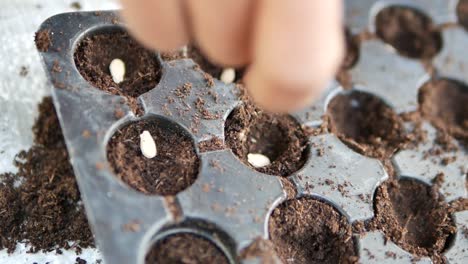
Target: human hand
[(293, 48)]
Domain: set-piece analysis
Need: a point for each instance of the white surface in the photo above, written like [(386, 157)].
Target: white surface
[(68, 256), (19, 96)]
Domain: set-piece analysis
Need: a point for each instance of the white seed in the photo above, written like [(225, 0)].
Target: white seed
[(184, 51), (228, 75), (147, 145), (117, 70), (258, 160)]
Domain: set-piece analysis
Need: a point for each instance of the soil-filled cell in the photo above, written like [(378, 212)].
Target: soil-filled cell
[(366, 124), (445, 103), (185, 248), (309, 231), (95, 52), (409, 31), (194, 53), (278, 137), (414, 216), (173, 169)]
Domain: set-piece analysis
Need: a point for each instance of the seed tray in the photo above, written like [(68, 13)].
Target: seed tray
[(230, 203)]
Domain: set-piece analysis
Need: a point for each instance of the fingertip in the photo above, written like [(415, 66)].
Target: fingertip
[(281, 96), (157, 24)]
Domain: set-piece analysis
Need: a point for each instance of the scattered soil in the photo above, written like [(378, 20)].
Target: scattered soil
[(94, 54), (444, 103), (462, 13), (194, 53), (366, 124), (211, 145), (45, 209), (185, 248), (174, 168), (309, 231), (414, 216), (43, 40), (409, 31), (279, 137), (76, 5)]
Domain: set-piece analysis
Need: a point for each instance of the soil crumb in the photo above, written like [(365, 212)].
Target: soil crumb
[(278, 137), (213, 144), (414, 216), (462, 13), (444, 103), (185, 248), (174, 168), (94, 54), (43, 40), (260, 248), (366, 124), (309, 231), (409, 31), (45, 210)]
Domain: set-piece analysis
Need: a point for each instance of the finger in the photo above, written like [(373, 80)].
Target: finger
[(221, 29), (298, 47), (157, 24)]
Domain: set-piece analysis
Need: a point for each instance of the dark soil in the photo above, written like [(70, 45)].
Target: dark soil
[(462, 13), (352, 50), (43, 40), (350, 59), (279, 137), (205, 65), (414, 216), (445, 103), (45, 210), (366, 124), (174, 168), (309, 231), (94, 54), (409, 31), (185, 248)]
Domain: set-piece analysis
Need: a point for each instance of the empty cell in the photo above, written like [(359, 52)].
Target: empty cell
[(445, 103), (366, 124), (409, 31), (414, 216), (310, 231)]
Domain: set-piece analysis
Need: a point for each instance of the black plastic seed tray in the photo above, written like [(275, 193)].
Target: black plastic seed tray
[(230, 203)]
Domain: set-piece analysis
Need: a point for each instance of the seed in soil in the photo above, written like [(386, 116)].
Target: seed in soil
[(409, 31), (95, 52), (305, 230), (212, 69), (173, 169), (185, 248), (117, 70), (414, 216), (280, 138), (258, 160), (228, 75), (462, 13), (147, 145), (366, 124), (445, 103)]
